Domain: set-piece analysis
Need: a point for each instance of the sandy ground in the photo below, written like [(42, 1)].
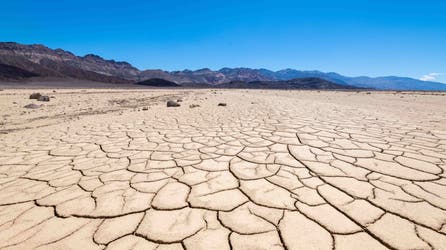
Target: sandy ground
[(272, 170)]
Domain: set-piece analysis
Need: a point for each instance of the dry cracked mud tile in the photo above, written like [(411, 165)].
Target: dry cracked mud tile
[(293, 173)]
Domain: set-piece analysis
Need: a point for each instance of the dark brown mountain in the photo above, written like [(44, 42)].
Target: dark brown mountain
[(158, 82), (11, 72), (46, 62)]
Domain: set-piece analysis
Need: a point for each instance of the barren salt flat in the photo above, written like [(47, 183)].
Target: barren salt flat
[(271, 170)]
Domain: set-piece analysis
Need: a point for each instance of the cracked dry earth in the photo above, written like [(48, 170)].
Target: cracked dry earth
[(272, 170)]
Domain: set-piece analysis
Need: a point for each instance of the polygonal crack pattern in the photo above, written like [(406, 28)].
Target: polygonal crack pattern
[(259, 176)]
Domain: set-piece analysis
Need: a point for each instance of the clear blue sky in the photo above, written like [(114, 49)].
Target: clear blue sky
[(406, 38)]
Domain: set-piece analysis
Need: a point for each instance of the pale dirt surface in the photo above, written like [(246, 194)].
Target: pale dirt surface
[(271, 170)]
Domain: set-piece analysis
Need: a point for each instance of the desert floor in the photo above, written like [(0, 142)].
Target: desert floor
[(117, 169)]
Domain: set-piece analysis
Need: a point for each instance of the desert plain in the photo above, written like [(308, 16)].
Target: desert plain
[(117, 169)]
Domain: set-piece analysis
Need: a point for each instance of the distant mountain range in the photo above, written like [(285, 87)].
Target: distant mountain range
[(20, 62), (296, 83)]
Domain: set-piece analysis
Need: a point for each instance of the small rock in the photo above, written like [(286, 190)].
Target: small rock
[(368, 93), (145, 108), (222, 104), (35, 96), (172, 104), (179, 100), (54, 91), (32, 106), (194, 106), (44, 98)]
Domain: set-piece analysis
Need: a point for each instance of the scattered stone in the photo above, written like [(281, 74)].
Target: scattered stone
[(194, 106), (222, 104), (32, 106), (44, 98), (172, 104), (35, 96), (145, 108), (179, 100), (368, 93), (54, 91)]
